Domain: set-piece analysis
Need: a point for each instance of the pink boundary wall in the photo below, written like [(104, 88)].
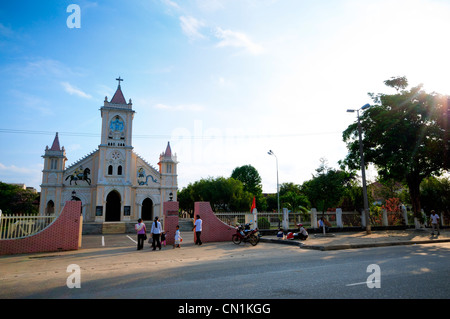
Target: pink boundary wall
[(62, 234), (213, 229), (170, 221)]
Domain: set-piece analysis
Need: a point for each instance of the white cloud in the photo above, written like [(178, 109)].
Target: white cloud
[(230, 38), (181, 107), (191, 27), (74, 91), (171, 4), (6, 31), (12, 169), (33, 102)]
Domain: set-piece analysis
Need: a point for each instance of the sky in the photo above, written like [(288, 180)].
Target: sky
[(224, 81)]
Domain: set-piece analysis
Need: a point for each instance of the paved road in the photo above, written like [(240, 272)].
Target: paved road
[(110, 267)]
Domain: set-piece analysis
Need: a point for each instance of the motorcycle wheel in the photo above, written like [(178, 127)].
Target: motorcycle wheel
[(236, 239), (253, 240)]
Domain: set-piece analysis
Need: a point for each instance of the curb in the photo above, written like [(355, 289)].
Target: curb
[(351, 246)]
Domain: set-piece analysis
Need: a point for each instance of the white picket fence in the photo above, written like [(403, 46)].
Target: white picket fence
[(289, 220), (275, 220), (18, 226)]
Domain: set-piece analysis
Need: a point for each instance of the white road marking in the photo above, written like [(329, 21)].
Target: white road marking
[(362, 283), (132, 239)]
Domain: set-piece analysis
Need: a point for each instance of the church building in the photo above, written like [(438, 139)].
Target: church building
[(113, 183)]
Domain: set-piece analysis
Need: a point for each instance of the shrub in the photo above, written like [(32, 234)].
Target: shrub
[(263, 223)]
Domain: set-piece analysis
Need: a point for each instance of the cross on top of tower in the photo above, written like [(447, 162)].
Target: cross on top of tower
[(119, 79)]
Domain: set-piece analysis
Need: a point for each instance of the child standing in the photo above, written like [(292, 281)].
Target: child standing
[(178, 238), (163, 238)]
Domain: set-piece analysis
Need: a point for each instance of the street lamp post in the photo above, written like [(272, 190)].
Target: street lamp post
[(278, 187), (363, 170)]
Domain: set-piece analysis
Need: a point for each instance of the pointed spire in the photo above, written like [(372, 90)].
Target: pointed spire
[(168, 152), (118, 97), (55, 145)]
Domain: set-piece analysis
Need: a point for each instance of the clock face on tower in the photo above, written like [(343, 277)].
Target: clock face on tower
[(115, 155)]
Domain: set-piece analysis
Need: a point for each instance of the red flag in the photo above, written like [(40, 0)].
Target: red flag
[(253, 205)]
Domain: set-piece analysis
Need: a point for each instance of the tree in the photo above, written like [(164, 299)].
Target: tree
[(15, 200), (251, 180), (327, 187), (435, 194), (292, 197), (224, 194), (404, 137)]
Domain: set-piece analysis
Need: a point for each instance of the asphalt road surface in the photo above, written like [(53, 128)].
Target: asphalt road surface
[(110, 267)]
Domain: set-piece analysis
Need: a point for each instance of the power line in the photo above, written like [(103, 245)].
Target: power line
[(181, 137)]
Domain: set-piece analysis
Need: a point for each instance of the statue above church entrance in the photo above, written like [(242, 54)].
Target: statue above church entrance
[(116, 129)]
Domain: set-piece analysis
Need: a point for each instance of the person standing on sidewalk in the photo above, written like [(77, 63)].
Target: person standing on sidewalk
[(198, 230), (156, 232), (141, 234), (178, 238), (434, 222)]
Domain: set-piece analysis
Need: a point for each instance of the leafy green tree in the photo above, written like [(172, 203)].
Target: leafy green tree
[(224, 194), (16, 200), (271, 202), (404, 137), (326, 188), (185, 200), (251, 180), (435, 194), (292, 197), (352, 198)]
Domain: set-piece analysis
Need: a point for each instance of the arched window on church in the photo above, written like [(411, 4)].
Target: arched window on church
[(53, 164), (50, 209), (119, 170), (110, 170)]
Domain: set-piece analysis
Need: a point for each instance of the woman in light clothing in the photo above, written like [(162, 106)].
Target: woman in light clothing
[(178, 238), (156, 232)]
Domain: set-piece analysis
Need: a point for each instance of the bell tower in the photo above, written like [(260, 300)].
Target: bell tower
[(116, 139), (114, 180), (52, 178), (168, 170)]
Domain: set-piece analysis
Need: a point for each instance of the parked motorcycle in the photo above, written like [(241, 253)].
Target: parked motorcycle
[(245, 234)]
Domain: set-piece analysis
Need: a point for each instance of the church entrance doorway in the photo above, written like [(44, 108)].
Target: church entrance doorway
[(147, 209), (113, 207)]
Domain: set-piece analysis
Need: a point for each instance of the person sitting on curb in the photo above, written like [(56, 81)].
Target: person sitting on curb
[(302, 233), (281, 234)]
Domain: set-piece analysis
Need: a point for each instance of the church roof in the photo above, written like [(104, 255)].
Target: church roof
[(168, 152), (118, 97), (55, 145)]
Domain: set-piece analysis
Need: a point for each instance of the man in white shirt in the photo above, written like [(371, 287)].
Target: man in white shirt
[(198, 230), (156, 233), (302, 233), (434, 222)]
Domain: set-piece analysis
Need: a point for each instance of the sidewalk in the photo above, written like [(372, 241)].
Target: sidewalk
[(359, 239)]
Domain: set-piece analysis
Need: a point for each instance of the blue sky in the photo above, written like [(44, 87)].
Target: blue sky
[(223, 80)]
